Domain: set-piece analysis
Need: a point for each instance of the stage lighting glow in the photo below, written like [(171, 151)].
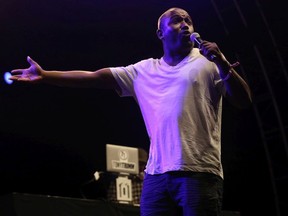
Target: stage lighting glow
[(6, 78)]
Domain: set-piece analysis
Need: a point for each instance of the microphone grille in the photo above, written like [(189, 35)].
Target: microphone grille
[(194, 35)]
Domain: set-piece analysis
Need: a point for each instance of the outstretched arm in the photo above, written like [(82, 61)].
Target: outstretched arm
[(102, 78)]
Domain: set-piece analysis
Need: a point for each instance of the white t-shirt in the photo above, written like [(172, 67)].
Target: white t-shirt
[(182, 110)]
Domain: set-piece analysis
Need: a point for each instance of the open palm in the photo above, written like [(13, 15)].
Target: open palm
[(31, 74)]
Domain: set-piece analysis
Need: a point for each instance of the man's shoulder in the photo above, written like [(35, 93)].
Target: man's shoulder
[(150, 60), (147, 62)]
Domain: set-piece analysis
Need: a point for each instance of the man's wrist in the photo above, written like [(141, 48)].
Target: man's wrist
[(230, 68), (227, 76)]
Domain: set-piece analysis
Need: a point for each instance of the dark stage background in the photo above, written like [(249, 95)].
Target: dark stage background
[(52, 139)]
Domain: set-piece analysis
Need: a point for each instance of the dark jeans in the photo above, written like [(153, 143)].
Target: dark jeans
[(181, 193)]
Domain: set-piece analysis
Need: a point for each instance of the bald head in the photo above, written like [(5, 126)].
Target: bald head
[(168, 13)]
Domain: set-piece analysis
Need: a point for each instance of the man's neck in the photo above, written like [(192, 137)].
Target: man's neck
[(173, 59)]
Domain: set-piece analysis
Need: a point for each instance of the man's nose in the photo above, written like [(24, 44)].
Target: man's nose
[(184, 25)]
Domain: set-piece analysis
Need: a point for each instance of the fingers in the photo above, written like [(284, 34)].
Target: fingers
[(24, 79), (17, 71), (30, 74), (32, 62), (20, 71), (209, 49), (15, 77)]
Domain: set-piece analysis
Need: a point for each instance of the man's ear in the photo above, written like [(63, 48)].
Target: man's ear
[(159, 34)]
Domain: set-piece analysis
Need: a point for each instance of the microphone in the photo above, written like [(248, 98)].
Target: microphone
[(196, 38)]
